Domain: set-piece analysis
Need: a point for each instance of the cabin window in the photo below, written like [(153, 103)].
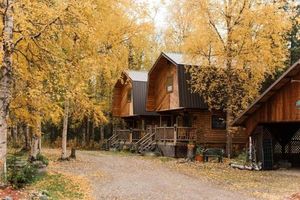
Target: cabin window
[(218, 122), (129, 94), (169, 84)]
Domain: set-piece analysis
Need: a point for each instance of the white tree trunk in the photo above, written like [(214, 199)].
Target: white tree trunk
[(5, 80), (40, 144), (65, 131), (27, 137), (34, 147), (101, 135)]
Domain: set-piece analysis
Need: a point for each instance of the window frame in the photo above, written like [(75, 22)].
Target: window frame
[(218, 127), (170, 84), (129, 92)]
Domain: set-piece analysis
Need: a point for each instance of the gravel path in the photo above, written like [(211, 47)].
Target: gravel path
[(115, 177)]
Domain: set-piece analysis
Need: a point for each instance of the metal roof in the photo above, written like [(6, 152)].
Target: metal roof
[(137, 75), (179, 58), (285, 78)]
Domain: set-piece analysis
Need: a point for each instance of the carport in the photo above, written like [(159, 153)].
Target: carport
[(273, 122)]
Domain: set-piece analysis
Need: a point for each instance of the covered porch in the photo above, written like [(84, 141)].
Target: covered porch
[(277, 144)]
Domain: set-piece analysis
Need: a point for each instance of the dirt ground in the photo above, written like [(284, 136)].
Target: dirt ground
[(125, 176), (115, 176)]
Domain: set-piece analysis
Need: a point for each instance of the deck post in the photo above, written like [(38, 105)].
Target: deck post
[(175, 134), (155, 131), (164, 133), (130, 136)]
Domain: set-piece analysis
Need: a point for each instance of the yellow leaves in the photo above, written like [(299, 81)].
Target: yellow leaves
[(244, 39)]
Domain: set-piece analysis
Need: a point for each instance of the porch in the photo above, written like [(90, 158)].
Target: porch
[(277, 144), (167, 139)]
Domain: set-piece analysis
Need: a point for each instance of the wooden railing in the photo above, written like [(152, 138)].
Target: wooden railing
[(175, 134), (129, 135)]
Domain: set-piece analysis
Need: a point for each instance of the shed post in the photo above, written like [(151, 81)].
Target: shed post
[(164, 133), (175, 134)]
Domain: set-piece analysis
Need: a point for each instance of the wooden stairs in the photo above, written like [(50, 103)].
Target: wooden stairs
[(112, 142), (145, 144)]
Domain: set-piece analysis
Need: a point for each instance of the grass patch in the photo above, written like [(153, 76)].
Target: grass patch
[(58, 186)]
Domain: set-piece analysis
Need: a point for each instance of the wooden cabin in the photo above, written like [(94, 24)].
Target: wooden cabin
[(184, 116), (273, 122), (128, 104)]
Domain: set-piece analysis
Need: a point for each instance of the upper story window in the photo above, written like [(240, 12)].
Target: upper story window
[(129, 94), (169, 84), (218, 122)]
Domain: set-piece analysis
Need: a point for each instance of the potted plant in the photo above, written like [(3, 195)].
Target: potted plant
[(199, 153)]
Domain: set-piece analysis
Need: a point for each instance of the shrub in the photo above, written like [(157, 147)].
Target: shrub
[(43, 159), (20, 175), (199, 150)]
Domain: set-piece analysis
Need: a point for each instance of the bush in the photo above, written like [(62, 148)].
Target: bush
[(199, 150), (43, 159), (18, 174)]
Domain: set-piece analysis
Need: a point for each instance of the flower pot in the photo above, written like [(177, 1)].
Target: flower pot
[(199, 158)]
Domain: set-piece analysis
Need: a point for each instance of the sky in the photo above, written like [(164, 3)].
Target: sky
[(160, 17)]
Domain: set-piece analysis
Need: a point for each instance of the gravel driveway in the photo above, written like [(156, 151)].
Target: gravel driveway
[(115, 177)]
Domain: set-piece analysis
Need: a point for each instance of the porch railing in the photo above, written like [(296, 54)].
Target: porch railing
[(129, 135), (175, 134)]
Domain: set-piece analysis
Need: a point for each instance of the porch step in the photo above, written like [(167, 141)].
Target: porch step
[(147, 143), (112, 142)]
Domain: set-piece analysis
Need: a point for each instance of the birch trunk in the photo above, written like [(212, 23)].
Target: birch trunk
[(88, 132), (83, 136), (5, 80), (40, 144), (34, 147), (93, 134), (229, 134), (14, 132), (27, 140), (230, 93), (101, 135), (65, 131)]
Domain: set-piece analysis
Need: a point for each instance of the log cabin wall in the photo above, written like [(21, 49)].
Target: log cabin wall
[(212, 137), (281, 107), (158, 97)]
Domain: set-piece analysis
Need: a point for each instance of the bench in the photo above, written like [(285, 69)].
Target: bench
[(213, 152)]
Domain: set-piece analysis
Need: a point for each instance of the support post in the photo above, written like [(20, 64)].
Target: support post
[(164, 133), (130, 136), (175, 134), (155, 131), (250, 149)]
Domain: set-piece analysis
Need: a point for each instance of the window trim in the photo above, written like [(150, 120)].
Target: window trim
[(213, 116), (171, 85), (129, 92)]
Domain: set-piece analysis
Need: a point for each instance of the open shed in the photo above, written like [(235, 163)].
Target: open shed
[(273, 121)]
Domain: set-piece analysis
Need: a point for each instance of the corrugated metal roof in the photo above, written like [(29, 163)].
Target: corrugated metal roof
[(187, 98), (139, 98), (138, 75), (180, 59), (278, 84)]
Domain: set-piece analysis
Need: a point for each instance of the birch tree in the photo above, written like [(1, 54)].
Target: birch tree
[(235, 44), (6, 76)]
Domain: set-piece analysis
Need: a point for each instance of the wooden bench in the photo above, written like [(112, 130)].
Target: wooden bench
[(213, 152)]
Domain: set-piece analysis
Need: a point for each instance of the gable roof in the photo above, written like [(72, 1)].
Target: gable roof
[(137, 75), (175, 58), (277, 85)]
